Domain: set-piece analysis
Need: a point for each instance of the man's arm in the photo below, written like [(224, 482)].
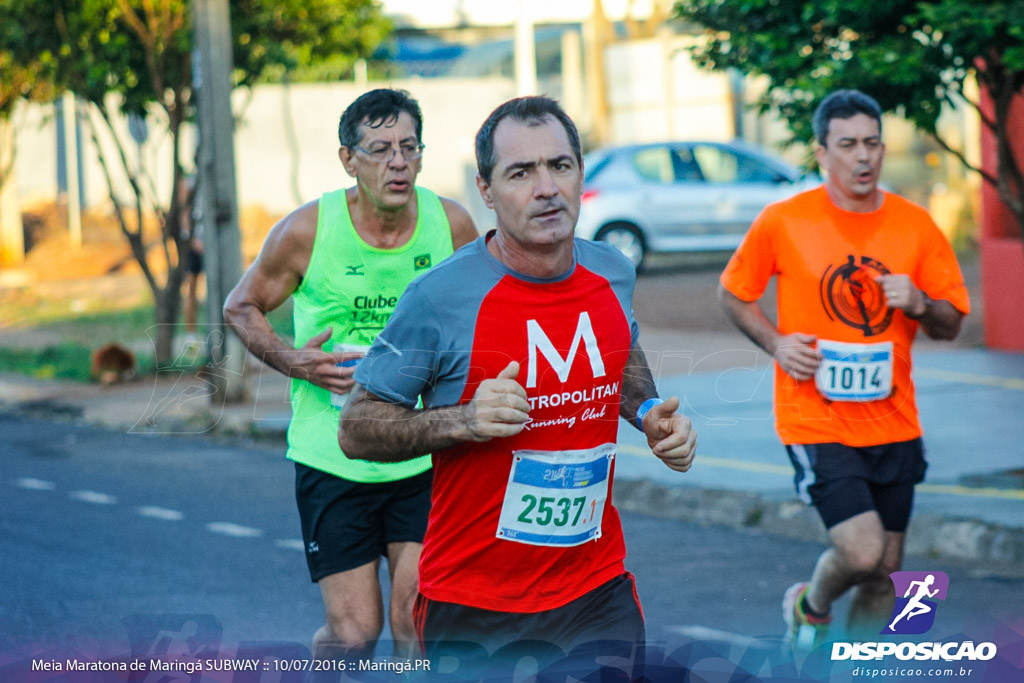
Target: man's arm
[(793, 352), (670, 435), (461, 223), (272, 278), (374, 429), (939, 318)]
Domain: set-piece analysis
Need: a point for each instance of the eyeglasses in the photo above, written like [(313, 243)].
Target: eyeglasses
[(385, 153)]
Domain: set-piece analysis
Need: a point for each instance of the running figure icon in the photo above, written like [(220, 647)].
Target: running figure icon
[(915, 606)]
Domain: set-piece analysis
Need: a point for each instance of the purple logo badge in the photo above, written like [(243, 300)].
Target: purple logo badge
[(914, 612)]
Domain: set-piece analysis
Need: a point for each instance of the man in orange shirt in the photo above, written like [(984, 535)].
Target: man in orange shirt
[(859, 269)]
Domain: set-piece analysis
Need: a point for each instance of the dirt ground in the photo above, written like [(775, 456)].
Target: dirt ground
[(104, 249)]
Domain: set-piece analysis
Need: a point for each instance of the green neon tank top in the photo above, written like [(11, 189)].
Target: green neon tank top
[(353, 287)]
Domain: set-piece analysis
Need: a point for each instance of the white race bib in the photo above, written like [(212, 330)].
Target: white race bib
[(339, 400), (556, 498), (854, 372)]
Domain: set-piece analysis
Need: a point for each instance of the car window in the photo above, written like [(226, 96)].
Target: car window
[(654, 164), (725, 166), (685, 166)]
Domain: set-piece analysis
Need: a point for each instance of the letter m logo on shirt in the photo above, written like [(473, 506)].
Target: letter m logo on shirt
[(537, 339)]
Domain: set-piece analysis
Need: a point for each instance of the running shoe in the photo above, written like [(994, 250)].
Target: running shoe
[(804, 631)]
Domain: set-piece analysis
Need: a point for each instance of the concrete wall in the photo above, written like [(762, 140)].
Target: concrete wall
[(285, 145), (656, 92)]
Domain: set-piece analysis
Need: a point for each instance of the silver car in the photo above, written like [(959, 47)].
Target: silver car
[(681, 196)]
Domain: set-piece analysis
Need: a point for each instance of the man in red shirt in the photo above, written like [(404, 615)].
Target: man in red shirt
[(524, 349)]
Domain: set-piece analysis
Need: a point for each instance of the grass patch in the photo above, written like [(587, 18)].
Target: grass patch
[(99, 328), (66, 361), (71, 356)]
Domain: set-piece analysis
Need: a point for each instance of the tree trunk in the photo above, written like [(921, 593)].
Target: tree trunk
[(12, 231), (168, 307)]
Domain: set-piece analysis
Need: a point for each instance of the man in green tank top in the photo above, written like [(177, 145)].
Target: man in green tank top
[(346, 259)]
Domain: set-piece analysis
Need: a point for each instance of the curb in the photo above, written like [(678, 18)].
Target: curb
[(931, 536)]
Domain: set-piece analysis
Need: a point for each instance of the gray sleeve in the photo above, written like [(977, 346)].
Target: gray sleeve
[(403, 361), (607, 261)]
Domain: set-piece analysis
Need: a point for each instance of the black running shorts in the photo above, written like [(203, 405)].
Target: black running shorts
[(346, 524), (843, 481), (606, 619)]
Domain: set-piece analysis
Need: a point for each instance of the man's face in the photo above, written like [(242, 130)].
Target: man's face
[(536, 183), (387, 178), (852, 157)]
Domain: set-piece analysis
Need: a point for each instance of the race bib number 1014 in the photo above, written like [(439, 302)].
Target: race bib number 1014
[(854, 372), (556, 498)]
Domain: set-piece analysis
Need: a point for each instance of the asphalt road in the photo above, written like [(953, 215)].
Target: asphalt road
[(108, 539)]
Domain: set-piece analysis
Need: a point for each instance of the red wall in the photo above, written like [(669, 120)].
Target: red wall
[(1002, 249)]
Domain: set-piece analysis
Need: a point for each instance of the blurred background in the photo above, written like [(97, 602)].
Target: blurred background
[(98, 125)]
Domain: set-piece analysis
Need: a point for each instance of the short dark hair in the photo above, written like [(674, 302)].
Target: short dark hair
[(377, 108), (532, 111), (844, 104)]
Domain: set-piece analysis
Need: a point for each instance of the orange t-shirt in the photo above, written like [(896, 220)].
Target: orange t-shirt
[(826, 260)]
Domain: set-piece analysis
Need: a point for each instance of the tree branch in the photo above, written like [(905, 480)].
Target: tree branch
[(963, 160), (986, 120), (135, 239)]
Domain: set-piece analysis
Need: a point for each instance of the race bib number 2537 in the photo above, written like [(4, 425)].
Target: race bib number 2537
[(556, 498)]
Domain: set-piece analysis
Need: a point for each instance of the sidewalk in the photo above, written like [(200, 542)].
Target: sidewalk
[(971, 506)]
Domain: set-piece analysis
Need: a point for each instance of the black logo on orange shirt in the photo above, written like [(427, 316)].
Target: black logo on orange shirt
[(850, 294)]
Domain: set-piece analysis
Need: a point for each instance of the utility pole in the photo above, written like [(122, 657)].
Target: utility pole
[(525, 52), (211, 86), (70, 112), (596, 32)]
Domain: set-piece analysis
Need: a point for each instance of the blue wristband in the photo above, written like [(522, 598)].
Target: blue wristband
[(642, 411)]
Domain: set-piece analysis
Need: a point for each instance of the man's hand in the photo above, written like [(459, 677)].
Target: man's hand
[(499, 407), (311, 363), (902, 293), (670, 435), (796, 355)]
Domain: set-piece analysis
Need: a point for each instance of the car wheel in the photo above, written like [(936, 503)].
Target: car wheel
[(627, 238)]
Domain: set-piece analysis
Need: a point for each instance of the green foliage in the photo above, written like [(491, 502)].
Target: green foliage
[(912, 56), (140, 49), (320, 36), (140, 52)]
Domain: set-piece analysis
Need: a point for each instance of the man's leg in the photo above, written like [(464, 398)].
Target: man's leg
[(405, 523), (344, 542), (403, 565), (874, 598), (858, 548), (354, 613)]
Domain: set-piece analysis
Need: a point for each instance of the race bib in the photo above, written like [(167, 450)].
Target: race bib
[(556, 498), (854, 372), (339, 400)]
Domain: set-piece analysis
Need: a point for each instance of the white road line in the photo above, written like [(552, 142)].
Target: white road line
[(236, 530), (93, 497), (35, 484), (291, 544), (161, 513)]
